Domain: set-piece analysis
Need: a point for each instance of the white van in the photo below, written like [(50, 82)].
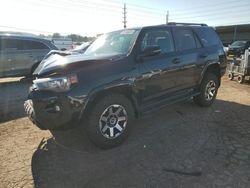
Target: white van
[(63, 43)]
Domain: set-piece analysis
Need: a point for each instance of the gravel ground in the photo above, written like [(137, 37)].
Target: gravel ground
[(180, 146)]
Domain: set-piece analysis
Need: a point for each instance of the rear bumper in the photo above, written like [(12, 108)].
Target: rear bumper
[(51, 111)]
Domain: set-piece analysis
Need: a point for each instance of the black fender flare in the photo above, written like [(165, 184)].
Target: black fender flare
[(112, 87), (206, 67)]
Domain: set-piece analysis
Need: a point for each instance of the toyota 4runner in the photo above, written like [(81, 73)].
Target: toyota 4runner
[(125, 74)]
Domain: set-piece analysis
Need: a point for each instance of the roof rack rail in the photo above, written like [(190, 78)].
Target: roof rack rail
[(177, 23)]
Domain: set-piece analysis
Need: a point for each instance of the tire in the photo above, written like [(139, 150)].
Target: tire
[(209, 82), (230, 76), (241, 79), (103, 126)]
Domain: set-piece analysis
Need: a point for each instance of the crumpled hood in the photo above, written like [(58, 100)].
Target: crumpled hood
[(58, 61)]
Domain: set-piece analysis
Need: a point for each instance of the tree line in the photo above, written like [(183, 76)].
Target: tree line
[(74, 37)]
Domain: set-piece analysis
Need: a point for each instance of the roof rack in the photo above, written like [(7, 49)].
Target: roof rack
[(177, 23)]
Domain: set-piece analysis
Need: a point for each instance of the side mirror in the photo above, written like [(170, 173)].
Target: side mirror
[(149, 51)]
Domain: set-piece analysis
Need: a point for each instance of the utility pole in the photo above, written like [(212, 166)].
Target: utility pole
[(124, 16), (167, 17)]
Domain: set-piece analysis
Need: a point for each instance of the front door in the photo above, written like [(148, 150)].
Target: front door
[(158, 74)]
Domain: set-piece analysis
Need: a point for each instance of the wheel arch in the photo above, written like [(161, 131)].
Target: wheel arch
[(125, 89), (212, 68)]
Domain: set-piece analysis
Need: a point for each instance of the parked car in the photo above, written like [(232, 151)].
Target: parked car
[(126, 74), (20, 53), (237, 48)]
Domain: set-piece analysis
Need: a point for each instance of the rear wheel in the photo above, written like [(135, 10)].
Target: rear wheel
[(208, 90), (109, 121), (241, 79), (230, 76)]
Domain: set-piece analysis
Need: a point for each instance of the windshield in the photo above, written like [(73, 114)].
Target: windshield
[(114, 43), (239, 43)]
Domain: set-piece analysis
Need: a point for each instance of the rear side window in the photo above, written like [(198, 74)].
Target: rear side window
[(17, 44), (33, 45), (184, 39), (207, 36), (161, 38), (11, 44)]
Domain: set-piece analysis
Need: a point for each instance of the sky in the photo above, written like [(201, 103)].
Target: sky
[(92, 17)]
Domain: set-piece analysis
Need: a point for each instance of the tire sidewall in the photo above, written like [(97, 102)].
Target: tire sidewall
[(230, 76), (93, 129), (208, 77)]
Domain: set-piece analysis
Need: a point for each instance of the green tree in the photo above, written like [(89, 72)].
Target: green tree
[(56, 35)]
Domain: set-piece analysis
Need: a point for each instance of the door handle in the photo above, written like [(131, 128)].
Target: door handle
[(176, 61), (30, 55), (9, 60)]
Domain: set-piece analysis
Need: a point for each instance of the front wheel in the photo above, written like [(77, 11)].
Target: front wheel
[(109, 121), (241, 79), (208, 90)]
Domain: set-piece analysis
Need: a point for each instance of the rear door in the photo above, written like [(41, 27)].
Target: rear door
[(30, 53), (7, 56), (188, 54), (211, 51)]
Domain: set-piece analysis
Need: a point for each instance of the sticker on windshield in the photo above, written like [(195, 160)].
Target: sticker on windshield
[(127, 32)]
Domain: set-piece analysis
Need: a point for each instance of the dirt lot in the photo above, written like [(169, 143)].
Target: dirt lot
[(180, 146)]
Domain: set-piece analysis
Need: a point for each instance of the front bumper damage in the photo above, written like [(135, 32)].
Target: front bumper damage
[(50, 110)]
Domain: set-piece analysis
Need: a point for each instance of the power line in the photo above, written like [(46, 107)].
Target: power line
[(212, 4), (212, 16), (138, 12), (219, 10)]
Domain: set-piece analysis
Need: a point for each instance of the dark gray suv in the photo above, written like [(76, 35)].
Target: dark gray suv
[(21, 53)]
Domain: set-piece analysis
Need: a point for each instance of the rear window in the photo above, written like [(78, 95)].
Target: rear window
[(33, 45), (18, 44), (11, 44), (207, 36)]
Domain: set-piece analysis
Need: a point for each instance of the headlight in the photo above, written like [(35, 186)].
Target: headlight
[(57, 84)]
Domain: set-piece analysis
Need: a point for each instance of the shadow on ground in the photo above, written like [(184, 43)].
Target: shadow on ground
[(182, 145)]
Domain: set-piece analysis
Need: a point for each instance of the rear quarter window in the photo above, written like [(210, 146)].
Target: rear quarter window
[(184, 39), (34, 45), (11, 44), (207, 36)]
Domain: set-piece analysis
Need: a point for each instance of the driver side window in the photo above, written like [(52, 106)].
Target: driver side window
[(161, 38)]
